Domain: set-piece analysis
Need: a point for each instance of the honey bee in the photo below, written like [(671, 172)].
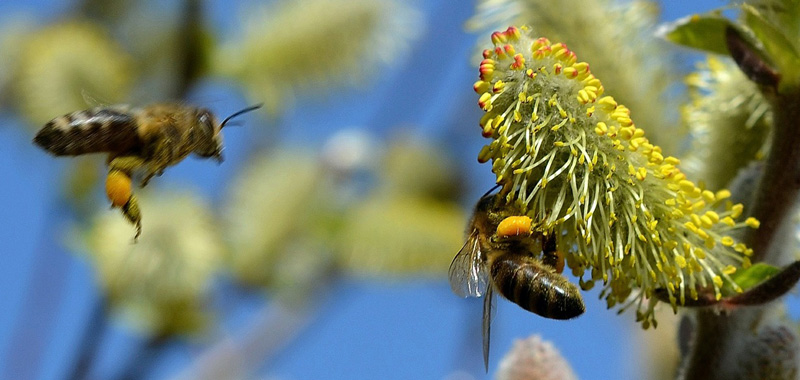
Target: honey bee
[(501, 254), (143, 140)]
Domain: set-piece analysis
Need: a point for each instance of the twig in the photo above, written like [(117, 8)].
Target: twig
[(90, 342)]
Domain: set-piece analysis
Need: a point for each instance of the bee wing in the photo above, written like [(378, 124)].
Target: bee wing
[(488, 313), (469, 276)]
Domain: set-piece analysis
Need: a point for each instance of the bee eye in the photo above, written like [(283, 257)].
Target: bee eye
[(205, 119)]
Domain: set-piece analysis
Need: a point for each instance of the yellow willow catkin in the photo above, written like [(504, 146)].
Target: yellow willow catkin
[(573, 160)]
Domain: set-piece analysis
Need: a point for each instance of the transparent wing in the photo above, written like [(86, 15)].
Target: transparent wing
[(468, 273), (488, 313)]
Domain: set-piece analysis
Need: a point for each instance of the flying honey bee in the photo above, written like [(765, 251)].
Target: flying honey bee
[(143, 140), (501, 255)]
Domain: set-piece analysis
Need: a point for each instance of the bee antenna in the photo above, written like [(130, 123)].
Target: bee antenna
[(237, 113), (490, 190)]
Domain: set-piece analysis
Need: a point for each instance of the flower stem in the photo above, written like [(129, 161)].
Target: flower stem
[(716, 334), (780, 182)]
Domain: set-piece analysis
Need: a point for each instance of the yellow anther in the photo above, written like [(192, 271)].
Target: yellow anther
[(736, 210)]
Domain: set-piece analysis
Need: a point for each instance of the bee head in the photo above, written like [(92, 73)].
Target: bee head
[(209, 132), (209, 140)]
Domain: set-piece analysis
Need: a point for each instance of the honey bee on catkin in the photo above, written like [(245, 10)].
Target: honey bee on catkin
[(143, 140), (504, 253)]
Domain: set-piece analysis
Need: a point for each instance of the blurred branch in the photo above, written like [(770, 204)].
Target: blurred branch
[(191, 39), (137, 366), (90, 342), (275, 326)]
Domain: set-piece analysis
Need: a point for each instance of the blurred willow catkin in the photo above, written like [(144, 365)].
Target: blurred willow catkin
[(782, 15), (413, 168), (409, 223), (306, 44), (161, 282), (399, 236), (616, 37), (534, 359), (729, 122), (276, 199), (62, 65)]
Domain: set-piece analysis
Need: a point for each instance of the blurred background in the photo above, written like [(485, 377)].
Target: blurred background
[(320, 247)]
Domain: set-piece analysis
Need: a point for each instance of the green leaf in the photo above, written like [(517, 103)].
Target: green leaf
[(756, 274), (776, 45), (703, 32)]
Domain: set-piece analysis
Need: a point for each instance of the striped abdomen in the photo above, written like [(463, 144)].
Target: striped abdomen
[(90, 131), (535, 287)]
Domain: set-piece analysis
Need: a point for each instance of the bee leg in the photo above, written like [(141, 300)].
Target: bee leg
[(152, 172), (132, 213), (120, 193), (550, 253), (147, 178), (125, 163)]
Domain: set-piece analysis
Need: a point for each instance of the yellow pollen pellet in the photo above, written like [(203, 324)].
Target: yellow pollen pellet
[(118, 188), (727, 241), (514, 226), (729, 270), (717, 281), (728, 221)]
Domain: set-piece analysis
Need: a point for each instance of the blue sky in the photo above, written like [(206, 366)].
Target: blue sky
[(413, 329)]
